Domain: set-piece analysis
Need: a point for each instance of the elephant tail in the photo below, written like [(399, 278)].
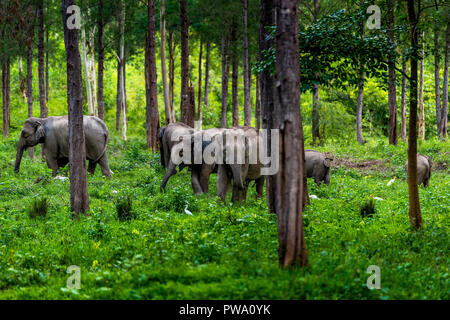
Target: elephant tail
[(105, 147)]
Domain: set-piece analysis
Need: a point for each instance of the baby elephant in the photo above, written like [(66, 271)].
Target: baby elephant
[(317, 166), (423, 169)]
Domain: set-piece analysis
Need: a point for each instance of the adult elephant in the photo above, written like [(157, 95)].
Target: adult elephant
[(53, 133), (238, 173)]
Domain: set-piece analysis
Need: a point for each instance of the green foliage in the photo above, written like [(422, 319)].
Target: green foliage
[(39, 208), (367, 209), (124, 208)]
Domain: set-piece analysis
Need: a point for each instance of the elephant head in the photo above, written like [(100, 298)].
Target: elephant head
[(236, 155), (33, 133)]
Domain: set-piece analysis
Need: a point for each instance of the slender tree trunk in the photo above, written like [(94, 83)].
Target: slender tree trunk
[(359, 107), (267, 90), (186, 107), (93, 76), (86, 72), (290, 188), (171, 71), (119, 95), (22, 78), (6, 85), (444, 113), (167, 102), (392, 85), (225, 74), (47, 77), (258, 103), (79, 197), (101, 59), (315, 94), (415, 215), (200, 115), (208, 54), (403, 102), (437, 84), (152, 124), (421, 103), (234, 87), (41, 53), (247, 97), (122, 84), (30, 88)]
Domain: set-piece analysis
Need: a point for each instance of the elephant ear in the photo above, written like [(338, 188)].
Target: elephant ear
[(326, 162), (40, 131)]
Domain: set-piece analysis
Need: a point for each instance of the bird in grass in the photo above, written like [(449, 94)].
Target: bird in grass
[(391, 181), (186, 210)]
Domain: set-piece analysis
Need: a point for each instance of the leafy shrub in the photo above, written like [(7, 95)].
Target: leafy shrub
[(39, 208), (124, 208), (367, 209)]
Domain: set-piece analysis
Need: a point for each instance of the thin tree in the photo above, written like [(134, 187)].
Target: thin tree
[(6, 89), (444, 112), (170, 117), (290, 188), (79, 197), (186, 107), (225, 48), (172, 46), (437, 84), (415, 215), (421, 84), (247, 97), (208, 55), (258, 103), (101, 59), (315, 94), (47, 76), (29, 43), (199, 106), (41, 56), (234, 80), (86, 71), (360, 97), (152, 114), (392, 85), (403, 99)]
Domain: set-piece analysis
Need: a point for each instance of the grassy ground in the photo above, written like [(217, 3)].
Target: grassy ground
[(221, 251)]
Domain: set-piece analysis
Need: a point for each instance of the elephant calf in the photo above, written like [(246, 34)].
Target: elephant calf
[(53, 133), (423, 169), (317, 166)]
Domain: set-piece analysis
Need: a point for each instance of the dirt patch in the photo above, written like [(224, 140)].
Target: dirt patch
[(360, 164), (440, 166)]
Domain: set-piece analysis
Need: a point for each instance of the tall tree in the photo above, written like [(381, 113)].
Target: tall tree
[(290, 188), (315, 94), (152, 114), (225, 48), (86, 71), (187, 109), (421, 84), (101, 59), (79, 197), (437, 84), (403, 99), (200, 113), (172, 46), (234, 81), (360, 97), (392, 85), (267, 86), (415, 215), (47, 76), (170, 117), (6, 89), (247, 97), (207, 62), (258, 103), (444, 112), (41, 53)]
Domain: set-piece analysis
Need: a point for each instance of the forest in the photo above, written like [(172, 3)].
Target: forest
[(224, 149)]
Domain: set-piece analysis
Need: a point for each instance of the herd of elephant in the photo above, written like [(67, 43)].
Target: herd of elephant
[(53, 133)]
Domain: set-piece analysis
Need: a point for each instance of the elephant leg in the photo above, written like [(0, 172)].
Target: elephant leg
[(205, 173), (260, 186), (195, 181), (103, 162), (52, 163), (223, 183), (171, 170), (317, 180), (238, 195), (91, 167)]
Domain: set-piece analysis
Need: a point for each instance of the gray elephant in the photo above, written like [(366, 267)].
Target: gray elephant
[(53, 133), (172, 136), (238, 174), (318, 166), (424, 165)]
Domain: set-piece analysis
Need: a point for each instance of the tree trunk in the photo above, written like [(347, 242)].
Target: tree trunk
[(208, 54), (152, 123), (247, 97), (186, 107), (290, 188), (6, 89), (258, 102), (101, 59), (444, 113), (79, 197), (167, 101), (415, 215), (22, 79), (403, 102), (86, 72), (41, 53), (234, 90), (392, 85), (93, 76), (47, 77), (421, 103), (30, 88), (122, 84), (119, 95), (359, 99), (171, 71), (199, 106), (267, 90), (437, 84), (225, 74), (315, 94)]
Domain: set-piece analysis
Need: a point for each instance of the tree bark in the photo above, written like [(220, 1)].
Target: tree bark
[(171, 71), (93, 76), (86, 72), (152, 113), (6, 89), (234, 88), (186, 107), (79, 197), (403, 102), (199, 106), (47, 77), (315, 94), (119, 95), (167, 102), (258, 103), (290, 188), (22, 78), (360, 97), (437, 84), (421, 80), (392, 85), (208, 54), (101, 59), (122, 84), (41, 53), (30, 87), (415, 215), (225, 74), (267, 90), (444, 113), (247, 97)]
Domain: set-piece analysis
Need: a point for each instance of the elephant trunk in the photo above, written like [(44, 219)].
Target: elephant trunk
[(237, 176), (20, 149)]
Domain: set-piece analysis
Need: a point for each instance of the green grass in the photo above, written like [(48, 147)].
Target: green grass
[(221, 251)]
